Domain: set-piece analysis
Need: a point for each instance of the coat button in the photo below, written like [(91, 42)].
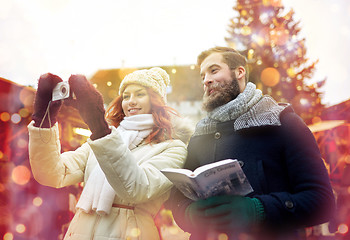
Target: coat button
[(289, 204), (217, 135)]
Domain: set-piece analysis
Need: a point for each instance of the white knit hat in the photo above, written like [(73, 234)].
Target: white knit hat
[(155, 78)]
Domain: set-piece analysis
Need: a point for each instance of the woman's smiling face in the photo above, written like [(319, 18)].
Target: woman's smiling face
[(136, 100)]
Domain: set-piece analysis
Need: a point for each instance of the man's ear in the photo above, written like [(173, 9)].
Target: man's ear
[(240, 73)]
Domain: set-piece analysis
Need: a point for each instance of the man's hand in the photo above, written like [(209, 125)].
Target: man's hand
[(195, 214), (226, 213)]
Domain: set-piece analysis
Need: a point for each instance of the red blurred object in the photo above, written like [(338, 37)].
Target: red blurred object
[(19, 216)]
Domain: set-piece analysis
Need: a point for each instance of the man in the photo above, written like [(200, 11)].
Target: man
[(277, 153)]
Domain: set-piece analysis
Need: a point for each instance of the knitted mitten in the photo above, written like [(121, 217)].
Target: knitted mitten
[(89, 102), (43, 96)]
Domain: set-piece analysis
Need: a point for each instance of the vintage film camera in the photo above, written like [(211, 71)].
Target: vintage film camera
[(61, 91)]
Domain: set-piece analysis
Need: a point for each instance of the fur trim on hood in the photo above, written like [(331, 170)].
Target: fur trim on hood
[(183, 128)]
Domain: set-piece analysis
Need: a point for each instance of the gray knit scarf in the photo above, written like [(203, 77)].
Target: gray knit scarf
[(249, 109)]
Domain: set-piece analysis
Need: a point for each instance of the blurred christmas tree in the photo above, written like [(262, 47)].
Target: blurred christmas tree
[(267, 35)]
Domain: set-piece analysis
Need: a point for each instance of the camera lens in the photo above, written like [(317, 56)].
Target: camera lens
[(63, 90)]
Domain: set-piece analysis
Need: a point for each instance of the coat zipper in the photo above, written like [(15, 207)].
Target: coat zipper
[(95, 226)]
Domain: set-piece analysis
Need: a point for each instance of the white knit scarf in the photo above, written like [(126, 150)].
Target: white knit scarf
[(98, 195)]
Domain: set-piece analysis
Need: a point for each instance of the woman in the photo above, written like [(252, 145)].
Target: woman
[(120, 164)]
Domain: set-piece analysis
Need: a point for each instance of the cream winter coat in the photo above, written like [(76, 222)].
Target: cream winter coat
[(134, 175)]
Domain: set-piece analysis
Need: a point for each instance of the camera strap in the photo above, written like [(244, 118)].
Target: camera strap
[(47, 113)]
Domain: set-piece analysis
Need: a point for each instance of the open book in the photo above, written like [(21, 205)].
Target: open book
[(224, 177)]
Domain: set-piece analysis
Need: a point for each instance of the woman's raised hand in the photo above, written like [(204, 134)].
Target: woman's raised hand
[(89, 102), (43, 96)]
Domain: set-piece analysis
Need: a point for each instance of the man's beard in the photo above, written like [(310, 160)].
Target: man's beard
[(223, 94)]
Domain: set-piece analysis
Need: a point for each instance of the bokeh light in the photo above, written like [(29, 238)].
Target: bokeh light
[(276, 3), (223, 236), (5, 116), (22, 143), (246, 30), (279, 36), (291, 72), (8, 236), (24, 216), (304, 101), (27, 97), (258, 39), (16, 118), (20, 228), (23, 112), (135, 232), (250, 53), (270, 77), (343, 228), (37, 201), (21, 175)]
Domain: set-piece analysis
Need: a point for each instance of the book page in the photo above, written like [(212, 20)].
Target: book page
[(220, 178), (185, 184), (206, 167), (182, 171), (224, 179)]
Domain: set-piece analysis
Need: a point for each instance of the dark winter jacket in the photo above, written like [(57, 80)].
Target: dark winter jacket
[(282, 163)]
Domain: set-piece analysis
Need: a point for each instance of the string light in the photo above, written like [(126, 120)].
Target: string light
[(246, 30), (250, 54)]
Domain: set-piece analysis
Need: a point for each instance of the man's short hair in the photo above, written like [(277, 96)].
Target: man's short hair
[(230, 56)]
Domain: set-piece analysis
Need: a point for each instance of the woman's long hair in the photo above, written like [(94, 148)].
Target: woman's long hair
[(161, 113)]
